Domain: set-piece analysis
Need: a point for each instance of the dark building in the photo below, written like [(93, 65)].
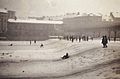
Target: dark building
[(92, 26), (4, 16), (3, 20), (82, 22), (11, 14), (30, 29), (115, 16)]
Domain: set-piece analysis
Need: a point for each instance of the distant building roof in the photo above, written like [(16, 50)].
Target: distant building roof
[(116, 15), (35, 21), (3, 11)]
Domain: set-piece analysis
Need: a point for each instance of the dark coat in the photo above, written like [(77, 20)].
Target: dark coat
[(104, 40)]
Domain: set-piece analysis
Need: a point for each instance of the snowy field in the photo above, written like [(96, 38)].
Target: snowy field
[(88, 60)]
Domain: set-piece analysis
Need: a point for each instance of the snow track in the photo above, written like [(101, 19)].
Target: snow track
[(85, 57)]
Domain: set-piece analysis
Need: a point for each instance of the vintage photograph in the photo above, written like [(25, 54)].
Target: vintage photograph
[(59, 39)]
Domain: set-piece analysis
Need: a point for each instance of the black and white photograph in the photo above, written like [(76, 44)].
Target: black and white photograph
[(59, 39)]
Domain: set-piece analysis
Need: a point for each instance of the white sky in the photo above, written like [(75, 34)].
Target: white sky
[(57, 7)]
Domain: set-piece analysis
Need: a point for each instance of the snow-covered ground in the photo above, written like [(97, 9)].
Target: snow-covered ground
[(52, 50), (88, 60)]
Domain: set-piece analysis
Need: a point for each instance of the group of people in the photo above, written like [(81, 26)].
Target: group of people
[(41, 45), (86, 38), (104, 42), (77, 38), (31, 42)]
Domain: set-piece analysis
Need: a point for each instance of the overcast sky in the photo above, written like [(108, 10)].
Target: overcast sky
[(57, 7)]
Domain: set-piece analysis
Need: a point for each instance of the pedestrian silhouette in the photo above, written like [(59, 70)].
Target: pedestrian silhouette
[(104, 41), (109, 39), (30, 42), (41, 45), (87, 38), (72, 39), (34, 41), (79, 38), (114, 39)]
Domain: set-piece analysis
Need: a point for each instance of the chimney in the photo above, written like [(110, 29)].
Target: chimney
[(111, 15), (15, 18)]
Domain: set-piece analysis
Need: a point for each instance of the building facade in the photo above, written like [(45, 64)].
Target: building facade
[(3, 20), (25, 30), (91, 26), (11, 14)]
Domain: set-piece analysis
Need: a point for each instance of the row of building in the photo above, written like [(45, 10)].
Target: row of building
[(94, 26), (12, 28), (35, 28)]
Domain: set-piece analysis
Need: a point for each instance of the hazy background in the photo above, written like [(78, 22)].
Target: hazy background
[(57, 7)]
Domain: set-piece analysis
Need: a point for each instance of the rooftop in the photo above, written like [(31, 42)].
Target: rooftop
[(35, 21), (116, 15), (3, 11)]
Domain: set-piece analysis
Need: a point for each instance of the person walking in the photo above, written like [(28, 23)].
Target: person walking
[(30, 42), (87, 38), (104, 41), (79, 38), (34, 41)]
